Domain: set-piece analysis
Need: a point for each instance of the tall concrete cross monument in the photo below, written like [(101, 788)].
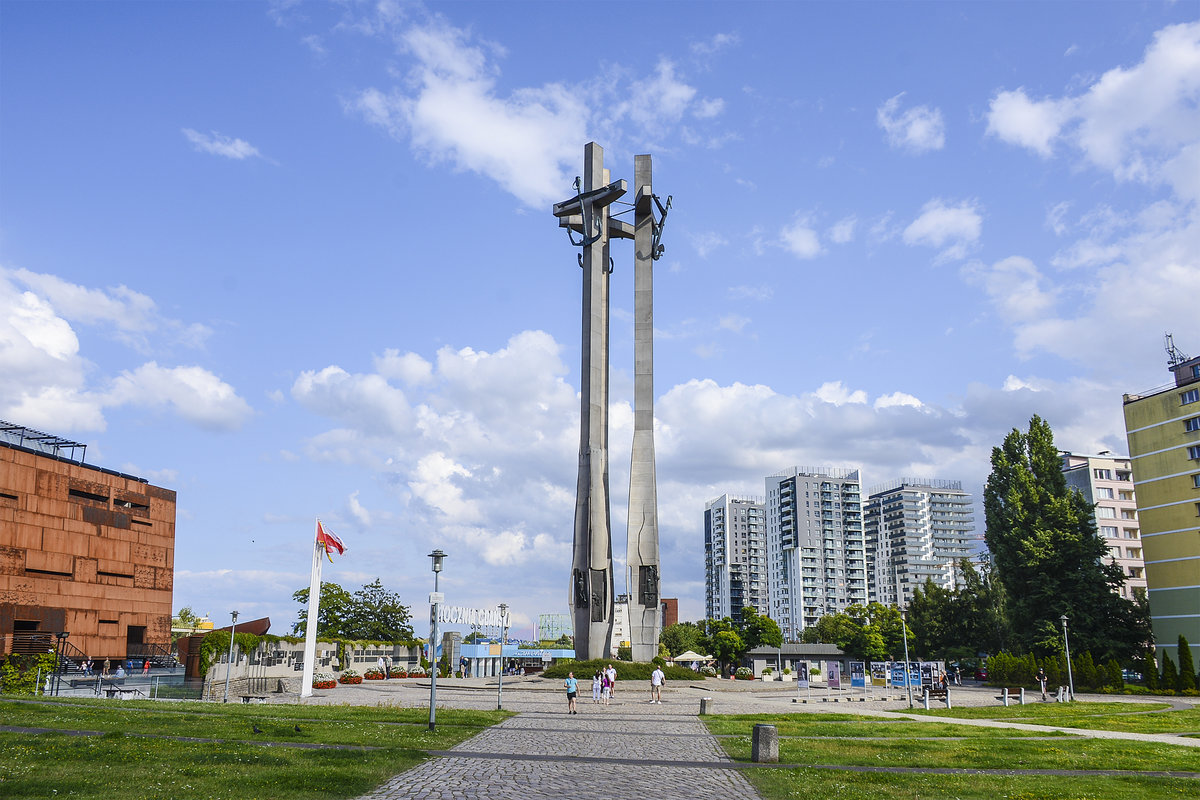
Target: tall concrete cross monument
[(645, 618), (591, 592), (591, 589)]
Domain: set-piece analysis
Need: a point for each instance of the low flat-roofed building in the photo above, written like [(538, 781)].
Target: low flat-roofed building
[(83, 550)]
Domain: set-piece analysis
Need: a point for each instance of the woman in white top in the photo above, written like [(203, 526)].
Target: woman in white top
[(597, 682)]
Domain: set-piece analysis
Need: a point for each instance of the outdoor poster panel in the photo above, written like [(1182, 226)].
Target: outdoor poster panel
[(858, 673), (914, 673), (801, 674), (835, 675), (879, 672), (926, 673), (897, 673)]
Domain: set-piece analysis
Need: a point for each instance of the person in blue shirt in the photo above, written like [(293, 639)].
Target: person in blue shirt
[(572, 690)]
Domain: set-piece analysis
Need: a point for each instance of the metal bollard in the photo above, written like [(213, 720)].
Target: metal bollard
[(1005, 696), (926, 699), (764, 747), (705, 705), (1022, 695)]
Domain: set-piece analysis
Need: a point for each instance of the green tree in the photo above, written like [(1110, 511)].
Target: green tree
[(371, 613), (1047, 554), (727, 646), (759, 630), (378, 615), (1150, 671), (1170, 677), (1187, 667), (681, 637)]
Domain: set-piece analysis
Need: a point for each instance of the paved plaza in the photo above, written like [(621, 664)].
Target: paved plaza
[(632, 748)]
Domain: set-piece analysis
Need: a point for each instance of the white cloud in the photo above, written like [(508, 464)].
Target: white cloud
[(408, 368), (843, 230), (367, 402), (917, 129), (709, 108), (193, 393), (800, 239), (657, 101), (835, 393), (898, 400), (528, 140), (733, 322), (939, 225), (1139, 122), (219, 145), (357, 511), (716, 44), (707, 242), (132, 315), (1015, 118), (49, 384), (1016, 288)]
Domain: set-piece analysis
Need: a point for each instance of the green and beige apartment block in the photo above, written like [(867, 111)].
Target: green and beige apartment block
[(1163, 431)]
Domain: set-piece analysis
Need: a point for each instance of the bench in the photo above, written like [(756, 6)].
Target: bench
[(122, 693), (254, 698), (936, 691), (1012, 693)]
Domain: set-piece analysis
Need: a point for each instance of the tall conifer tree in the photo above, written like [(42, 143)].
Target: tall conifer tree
[(1048, 555)]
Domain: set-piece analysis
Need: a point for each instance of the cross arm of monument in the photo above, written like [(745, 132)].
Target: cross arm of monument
[(570, 212)]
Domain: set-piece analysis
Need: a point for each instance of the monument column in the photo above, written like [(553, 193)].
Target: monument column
[(642, 561), (591, 591)]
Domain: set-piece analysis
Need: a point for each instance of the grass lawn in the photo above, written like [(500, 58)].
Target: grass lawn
[(1128, 717), (128, 760), (904, 746)]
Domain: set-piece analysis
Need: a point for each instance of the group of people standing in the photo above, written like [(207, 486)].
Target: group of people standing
[(604, 685)]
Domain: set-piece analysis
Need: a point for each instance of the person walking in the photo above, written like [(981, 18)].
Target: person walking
[(657, 679), (612, 680), (597, 686), (572, 690), (146, 667), (605, 686), (1041, 679)]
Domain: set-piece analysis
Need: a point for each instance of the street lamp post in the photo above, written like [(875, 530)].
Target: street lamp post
[(62, 640), (503, 638), (435, 601), (907, 677), (1067, 647), (229, 663)]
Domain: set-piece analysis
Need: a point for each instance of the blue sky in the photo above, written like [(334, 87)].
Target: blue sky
[(297, 259)]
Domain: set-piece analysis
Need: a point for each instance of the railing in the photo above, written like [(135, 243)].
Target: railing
[(158, 656)]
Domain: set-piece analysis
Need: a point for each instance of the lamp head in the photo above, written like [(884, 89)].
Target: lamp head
[(62, 634), (437, 556), (503, 609), (234, 614), (1063, 619)]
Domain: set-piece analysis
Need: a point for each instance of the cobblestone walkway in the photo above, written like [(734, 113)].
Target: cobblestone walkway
[(628, 751)]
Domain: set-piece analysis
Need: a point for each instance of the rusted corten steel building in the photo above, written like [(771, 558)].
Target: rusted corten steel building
[(83, 550)]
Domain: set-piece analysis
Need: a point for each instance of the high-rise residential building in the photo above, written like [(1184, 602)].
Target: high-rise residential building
[(916, 530), (735, 557), (1106, 481), (1162, 427), (815, 544)]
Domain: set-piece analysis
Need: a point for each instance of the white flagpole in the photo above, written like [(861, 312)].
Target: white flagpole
[(310, 630)]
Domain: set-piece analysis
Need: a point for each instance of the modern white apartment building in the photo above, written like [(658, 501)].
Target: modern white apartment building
[(916, 530), (1107, 481), (735, 557), (815, 545)]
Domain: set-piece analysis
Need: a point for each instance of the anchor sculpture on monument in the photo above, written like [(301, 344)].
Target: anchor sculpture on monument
[(592, 582)]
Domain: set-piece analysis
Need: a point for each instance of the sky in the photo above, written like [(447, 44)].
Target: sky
[(296, 260)]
